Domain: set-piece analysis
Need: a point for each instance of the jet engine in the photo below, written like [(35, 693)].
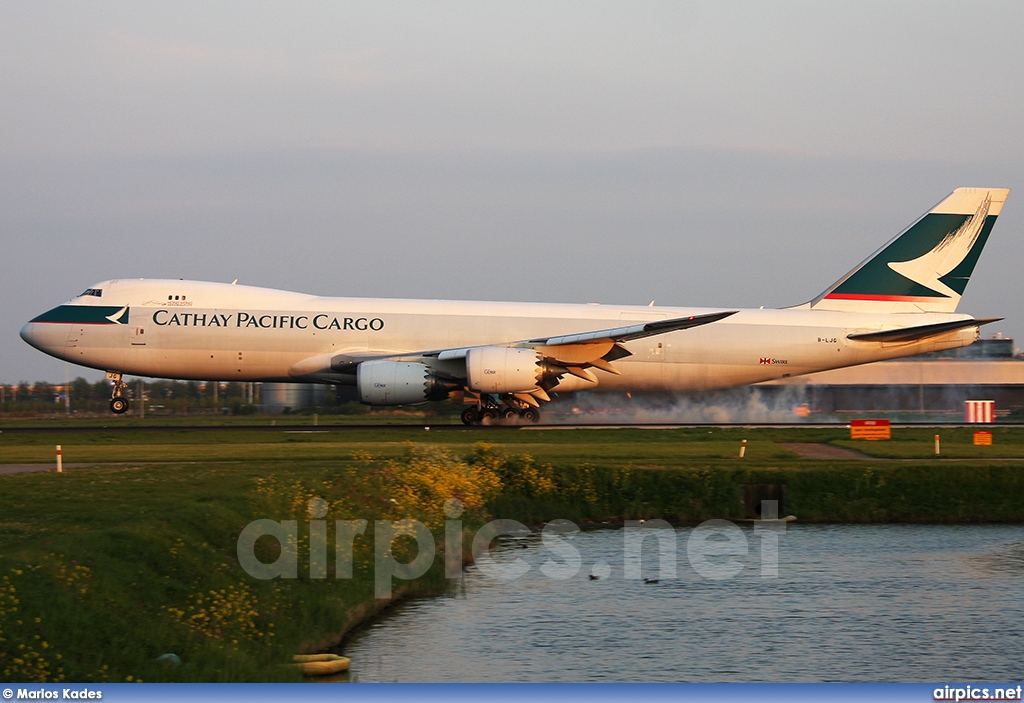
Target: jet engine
[(507, 370), (397, 383)]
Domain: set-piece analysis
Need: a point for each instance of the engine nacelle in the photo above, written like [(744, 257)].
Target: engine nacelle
[(397, 383), (503, 370)]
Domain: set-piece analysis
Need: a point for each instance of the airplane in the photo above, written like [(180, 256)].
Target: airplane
[(503, 360)]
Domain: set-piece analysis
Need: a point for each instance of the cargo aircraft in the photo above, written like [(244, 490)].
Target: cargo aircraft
[(503, 360)]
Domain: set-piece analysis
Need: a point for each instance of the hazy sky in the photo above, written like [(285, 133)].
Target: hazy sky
[(719, 154)]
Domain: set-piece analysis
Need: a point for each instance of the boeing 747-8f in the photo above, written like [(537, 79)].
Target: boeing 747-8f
[(504, 359)]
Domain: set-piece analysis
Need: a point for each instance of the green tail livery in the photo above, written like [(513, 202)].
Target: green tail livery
[(926, 267)]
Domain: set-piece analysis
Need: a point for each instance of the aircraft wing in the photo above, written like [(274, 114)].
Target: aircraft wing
[(596, 348), (589, 342), (911, 334), (631, 332)]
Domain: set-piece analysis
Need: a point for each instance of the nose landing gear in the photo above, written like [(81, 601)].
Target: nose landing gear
[(118, 403)]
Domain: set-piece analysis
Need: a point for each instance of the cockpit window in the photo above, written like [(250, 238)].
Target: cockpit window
[(97, 292)]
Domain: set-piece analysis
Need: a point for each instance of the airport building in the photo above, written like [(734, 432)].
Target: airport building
[(279, 398), (937, 383)]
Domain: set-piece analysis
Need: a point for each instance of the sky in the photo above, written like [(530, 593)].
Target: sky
[(726, 154)]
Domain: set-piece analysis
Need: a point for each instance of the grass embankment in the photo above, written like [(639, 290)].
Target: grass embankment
[(692, 475), (103, 569)]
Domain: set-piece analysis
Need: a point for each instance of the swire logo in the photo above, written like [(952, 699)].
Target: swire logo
[(770, 360)]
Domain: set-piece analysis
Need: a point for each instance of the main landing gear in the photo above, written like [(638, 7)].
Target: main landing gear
[(118, 403), (490, 412)]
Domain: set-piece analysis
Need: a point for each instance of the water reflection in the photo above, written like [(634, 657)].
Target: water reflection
[(1007, 559), (850, 603)]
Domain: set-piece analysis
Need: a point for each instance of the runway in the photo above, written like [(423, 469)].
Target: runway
[(459, 427)]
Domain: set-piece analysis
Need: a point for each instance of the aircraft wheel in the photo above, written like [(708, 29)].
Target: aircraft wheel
[(470, 415), (509, 414), (119, 405), (488, 417), (531, 415)]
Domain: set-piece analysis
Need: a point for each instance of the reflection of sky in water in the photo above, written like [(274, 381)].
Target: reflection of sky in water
[(852, 603)]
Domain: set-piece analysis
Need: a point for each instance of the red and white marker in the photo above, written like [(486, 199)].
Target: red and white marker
[(743, 448), (60, 463)]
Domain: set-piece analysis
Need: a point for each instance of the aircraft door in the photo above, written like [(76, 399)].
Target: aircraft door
[(138, 338), (136, 348)]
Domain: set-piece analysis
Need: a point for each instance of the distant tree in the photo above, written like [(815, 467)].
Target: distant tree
[(235, 392), (24, 392), (45, 392), (81, 394), (100, 391)]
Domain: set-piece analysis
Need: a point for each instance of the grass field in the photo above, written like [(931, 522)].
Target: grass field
[(105, 568), (605, 446)]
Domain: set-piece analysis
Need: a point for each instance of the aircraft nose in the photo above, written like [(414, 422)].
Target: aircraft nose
[(28, 334), (48, 338)]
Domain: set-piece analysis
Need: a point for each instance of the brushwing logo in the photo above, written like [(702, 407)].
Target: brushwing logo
[(116, 317), (927, 269)]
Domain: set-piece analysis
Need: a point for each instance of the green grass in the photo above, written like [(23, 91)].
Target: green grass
[(639, 447), (113, 566)]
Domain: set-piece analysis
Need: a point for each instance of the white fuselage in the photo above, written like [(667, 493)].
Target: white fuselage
[(214, 331)]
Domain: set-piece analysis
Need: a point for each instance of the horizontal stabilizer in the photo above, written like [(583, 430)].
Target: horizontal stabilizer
[(910, 334)]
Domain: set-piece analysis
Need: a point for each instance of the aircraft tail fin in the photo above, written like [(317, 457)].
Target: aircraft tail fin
[(926, 267)]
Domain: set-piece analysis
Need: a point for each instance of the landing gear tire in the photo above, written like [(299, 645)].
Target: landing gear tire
[(118, 403), (509, 414), (470, 415), (488, 417), (531, 415)]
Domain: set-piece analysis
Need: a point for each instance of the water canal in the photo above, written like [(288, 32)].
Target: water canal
[(849, 603)]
